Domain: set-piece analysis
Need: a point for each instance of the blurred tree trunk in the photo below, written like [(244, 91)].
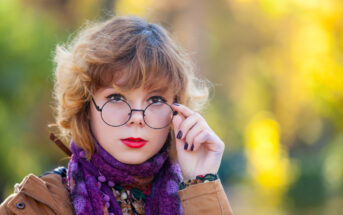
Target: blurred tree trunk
[(187, 20), (195, 33), (107, 8)]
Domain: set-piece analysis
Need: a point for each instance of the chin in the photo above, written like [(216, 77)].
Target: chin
[(132, 161)]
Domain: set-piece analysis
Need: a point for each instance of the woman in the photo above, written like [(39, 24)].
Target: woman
[(128, 102)]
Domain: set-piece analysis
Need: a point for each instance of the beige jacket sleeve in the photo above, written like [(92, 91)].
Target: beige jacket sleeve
[(205, 198)]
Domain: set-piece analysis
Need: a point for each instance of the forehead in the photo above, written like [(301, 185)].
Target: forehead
[(165, 90)]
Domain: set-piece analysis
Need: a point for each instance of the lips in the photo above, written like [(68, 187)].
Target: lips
[(133, 142), (134, 139)]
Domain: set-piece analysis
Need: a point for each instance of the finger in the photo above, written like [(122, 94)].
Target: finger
[(180, 144), (182, 109), (201, 138), (187, 125), (177, 120), (192, 134)]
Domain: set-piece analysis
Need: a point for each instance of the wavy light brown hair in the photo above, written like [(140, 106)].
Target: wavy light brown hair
[(141, 53)]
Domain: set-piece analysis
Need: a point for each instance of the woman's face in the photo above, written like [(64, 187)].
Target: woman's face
[(111, 138)]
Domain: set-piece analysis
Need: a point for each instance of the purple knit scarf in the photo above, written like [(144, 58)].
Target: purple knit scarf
[(90, 182)]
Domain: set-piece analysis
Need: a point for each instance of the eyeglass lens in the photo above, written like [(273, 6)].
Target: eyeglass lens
[(116, 113)]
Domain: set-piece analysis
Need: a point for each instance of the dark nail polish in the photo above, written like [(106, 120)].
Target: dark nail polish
[(192, 147), (179, 135), (186, 146), (177, 104)]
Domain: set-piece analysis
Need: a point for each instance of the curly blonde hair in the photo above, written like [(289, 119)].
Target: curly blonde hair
[(120, 47)]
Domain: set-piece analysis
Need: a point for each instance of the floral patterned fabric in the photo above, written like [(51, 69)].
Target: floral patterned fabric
[(198, 179), (132, 199)]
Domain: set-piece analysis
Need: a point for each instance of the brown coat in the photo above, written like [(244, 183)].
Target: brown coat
[(47, 195)]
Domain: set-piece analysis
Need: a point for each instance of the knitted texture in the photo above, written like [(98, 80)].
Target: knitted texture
[(90, 182)]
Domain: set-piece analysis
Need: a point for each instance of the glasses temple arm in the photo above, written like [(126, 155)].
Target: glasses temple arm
[(96, 106)]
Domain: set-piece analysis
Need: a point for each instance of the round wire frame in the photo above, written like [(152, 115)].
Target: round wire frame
[(130, 113)]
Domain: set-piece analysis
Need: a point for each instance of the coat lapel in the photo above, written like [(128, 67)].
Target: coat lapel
[(35, 188)]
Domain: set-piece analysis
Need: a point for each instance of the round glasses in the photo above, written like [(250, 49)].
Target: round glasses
[(116, 113)]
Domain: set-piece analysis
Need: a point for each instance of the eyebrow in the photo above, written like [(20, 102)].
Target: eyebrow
[(156, 90), (159, 90)]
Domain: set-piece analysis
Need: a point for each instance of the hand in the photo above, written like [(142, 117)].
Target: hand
[(204, 148)]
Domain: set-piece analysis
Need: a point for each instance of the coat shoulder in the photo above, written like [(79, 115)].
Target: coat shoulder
[(205, 198), (45, 194)]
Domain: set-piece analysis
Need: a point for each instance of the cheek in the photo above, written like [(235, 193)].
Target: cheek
[(96, 123), (102, 132), (162, 135)]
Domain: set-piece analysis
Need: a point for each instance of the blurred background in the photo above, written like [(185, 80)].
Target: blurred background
[(277, 68)]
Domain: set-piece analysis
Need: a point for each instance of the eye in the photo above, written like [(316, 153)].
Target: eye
[(157, 99), (116, 97)]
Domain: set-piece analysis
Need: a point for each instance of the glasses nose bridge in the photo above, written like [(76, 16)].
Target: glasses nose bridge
[(142, 110)]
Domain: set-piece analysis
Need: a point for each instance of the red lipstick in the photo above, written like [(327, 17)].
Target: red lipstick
[(134, 142)]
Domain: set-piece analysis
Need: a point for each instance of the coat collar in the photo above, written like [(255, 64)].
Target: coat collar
[(35, 188)]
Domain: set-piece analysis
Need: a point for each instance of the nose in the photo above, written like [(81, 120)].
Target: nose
[(137, 117)]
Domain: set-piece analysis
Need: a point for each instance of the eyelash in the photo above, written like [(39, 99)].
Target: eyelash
[(117, 96)]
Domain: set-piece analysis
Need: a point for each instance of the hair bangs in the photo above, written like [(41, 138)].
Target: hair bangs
[(149, 65)]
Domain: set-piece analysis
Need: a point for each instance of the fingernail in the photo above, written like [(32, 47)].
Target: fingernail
[(179, 135), (177, 104), (192, 147), (186, 146)]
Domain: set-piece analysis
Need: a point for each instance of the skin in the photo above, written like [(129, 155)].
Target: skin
[(208, 148), (109, 137), (204, 157)]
